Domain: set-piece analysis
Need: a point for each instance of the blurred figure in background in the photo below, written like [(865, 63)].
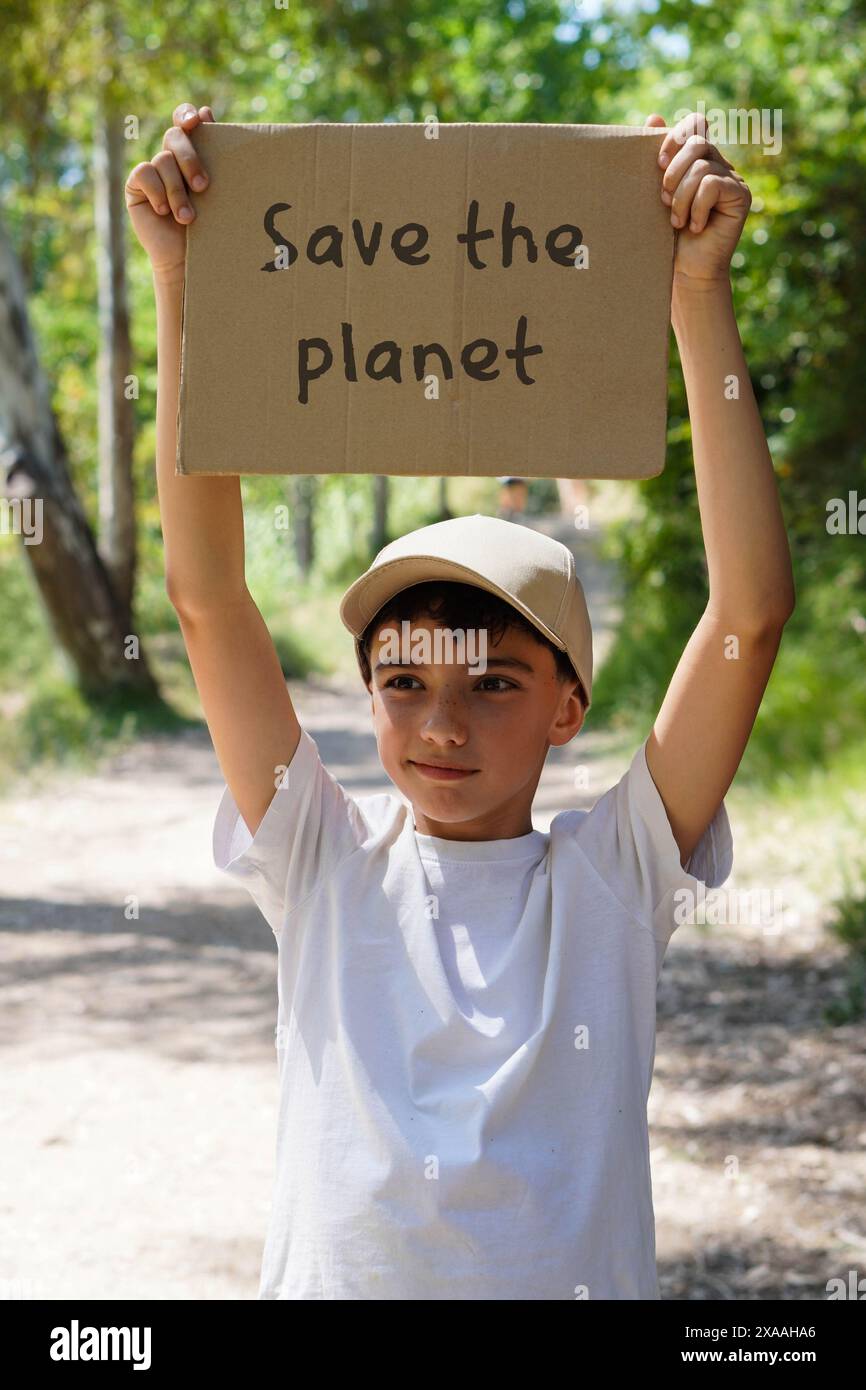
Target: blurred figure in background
[(513, 493)]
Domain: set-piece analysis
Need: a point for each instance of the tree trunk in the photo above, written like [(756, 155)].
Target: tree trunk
[(379, 534), (89, 623), (116, 539), (303, 490), (444, 508)]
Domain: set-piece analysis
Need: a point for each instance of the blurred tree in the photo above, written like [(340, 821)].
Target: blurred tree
[(90, 623), (445, 512), (50, 51), (302, 491), (379, 533), (117, 541)]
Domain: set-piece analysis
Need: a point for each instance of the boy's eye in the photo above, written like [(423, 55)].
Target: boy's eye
[(503, 683), (394, 679)]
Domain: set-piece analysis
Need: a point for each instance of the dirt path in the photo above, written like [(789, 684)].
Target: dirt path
[(139, 1085)]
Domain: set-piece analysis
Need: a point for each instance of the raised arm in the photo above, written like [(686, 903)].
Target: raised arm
[(703, 726), (249, 712)]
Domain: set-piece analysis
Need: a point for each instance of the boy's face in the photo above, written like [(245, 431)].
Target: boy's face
[(495, 724)]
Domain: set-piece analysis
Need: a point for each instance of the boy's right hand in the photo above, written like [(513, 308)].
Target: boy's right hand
[(158, 193)]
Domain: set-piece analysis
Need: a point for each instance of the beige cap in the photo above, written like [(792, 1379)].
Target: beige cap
[(531, 571)]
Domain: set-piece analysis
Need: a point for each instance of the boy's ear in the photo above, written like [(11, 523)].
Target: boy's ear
[(566, 728)]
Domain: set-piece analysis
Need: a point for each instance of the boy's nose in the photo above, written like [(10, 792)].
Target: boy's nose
[(445, 722)]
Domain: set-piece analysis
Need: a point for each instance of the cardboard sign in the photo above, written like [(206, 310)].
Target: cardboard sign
[(426, 299)]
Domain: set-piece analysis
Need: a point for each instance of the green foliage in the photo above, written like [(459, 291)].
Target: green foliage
[(58, 729), (799, 286), (25, 635), (848, 924)]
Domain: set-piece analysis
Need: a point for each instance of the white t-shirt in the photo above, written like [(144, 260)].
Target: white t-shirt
[(466, 1038)]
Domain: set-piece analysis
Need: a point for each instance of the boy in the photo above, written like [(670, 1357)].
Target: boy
[(466, 1005)]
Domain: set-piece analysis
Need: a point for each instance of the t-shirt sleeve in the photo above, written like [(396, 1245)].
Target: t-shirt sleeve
[(629, 838), (310, 826)]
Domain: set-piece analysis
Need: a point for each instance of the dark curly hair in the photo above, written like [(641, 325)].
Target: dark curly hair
[(457, 605)]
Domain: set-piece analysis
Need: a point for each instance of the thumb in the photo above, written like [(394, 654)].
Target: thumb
[(655, 120)]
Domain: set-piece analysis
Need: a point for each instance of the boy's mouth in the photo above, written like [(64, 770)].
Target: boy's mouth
[(442, 772)]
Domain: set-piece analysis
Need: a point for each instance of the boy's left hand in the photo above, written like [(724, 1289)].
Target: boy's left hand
[(709, 200)]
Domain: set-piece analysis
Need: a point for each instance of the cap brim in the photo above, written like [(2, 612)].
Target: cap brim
[(363, 599)]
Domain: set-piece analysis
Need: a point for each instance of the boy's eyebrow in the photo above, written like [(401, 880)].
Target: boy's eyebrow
[(510, 661)]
